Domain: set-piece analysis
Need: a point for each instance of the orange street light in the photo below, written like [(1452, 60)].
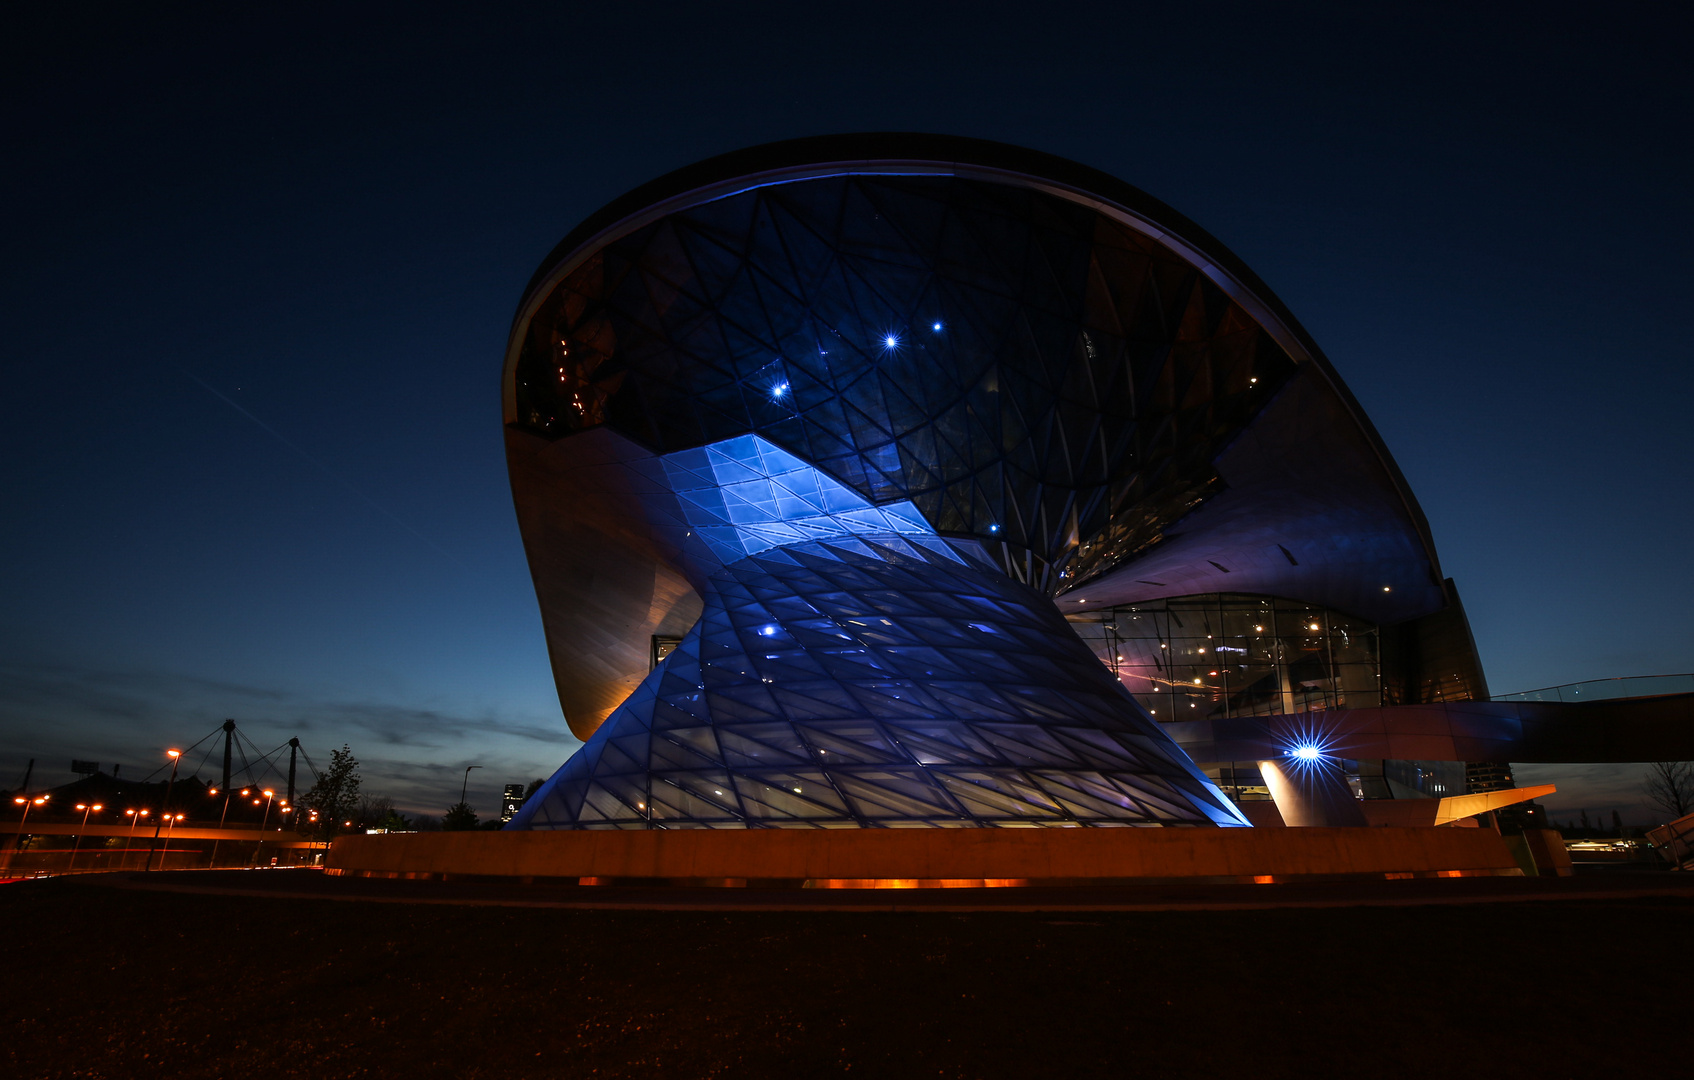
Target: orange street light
[(27, 803), (223, 817), (269, 794), (86, 810), (173, 819), (176, 760), (134, 816)]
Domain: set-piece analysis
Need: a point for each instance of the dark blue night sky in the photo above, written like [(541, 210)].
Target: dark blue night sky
[(258, 276)]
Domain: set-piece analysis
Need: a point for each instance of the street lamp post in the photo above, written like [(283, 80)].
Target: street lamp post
[(86, 810), (266, 820), (27, 802), (134, 816), (466, 785), (167, 851), (282, 824), (176, 759), (221, 819), (312, 829)]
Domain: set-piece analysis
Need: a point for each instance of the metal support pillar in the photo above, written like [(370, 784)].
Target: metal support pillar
[(229, 730), (293, 750)]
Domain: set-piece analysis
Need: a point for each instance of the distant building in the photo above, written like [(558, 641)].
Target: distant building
[(511, 800)]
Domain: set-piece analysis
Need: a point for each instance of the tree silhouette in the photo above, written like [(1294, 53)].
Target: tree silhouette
[(1670, 787), (334, 798), (459, 817)]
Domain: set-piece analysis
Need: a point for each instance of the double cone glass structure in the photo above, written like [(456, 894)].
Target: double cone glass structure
[(820, 449)]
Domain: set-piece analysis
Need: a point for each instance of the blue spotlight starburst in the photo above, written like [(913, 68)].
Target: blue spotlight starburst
[(891, 341), (1311, 741)]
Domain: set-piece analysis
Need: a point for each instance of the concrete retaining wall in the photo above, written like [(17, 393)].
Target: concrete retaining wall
[(1009, 856)]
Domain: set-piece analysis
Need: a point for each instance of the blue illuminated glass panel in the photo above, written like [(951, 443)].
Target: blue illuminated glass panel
[(867, 679)]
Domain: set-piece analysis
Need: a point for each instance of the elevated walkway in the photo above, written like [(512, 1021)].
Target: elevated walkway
[(275, 837), (1591, 730)]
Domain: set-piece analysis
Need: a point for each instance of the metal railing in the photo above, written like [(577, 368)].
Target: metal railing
[(1630, 686), (1675, 842)]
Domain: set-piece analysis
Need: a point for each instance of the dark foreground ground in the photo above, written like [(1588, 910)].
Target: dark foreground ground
[(99, 978)]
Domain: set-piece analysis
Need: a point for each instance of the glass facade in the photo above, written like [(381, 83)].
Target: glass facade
[(853, 669), (1022, 369), (1205, 657), (1221, 656)]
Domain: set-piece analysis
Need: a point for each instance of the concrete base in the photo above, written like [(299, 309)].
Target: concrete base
[(861, 858)]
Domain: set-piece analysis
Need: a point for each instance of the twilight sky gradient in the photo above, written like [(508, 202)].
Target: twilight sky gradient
[(258, 271)]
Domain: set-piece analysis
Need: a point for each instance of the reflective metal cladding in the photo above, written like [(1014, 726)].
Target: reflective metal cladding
[(859, 420)]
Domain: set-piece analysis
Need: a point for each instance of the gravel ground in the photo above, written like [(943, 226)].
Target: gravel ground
[(114, 982)]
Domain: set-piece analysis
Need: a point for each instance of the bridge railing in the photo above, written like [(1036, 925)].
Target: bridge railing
[(1629, 686)]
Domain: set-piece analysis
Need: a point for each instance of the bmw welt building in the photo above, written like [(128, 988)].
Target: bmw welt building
[(903, 482)]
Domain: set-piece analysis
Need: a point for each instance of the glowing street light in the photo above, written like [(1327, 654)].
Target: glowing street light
[(269, 794), (86, 810), (221, 819), (167, 851), (176, 760), (26, 802), (134, 817)]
